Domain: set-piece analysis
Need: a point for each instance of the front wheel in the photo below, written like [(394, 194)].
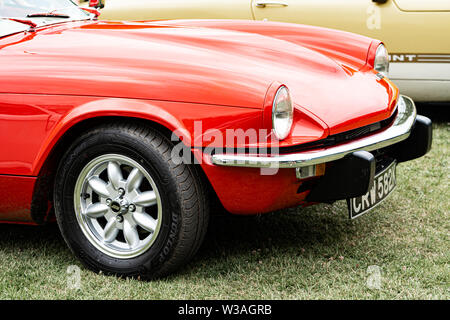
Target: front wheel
[(124, 207)]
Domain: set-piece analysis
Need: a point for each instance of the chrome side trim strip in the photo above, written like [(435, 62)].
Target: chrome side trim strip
[(399, 131)]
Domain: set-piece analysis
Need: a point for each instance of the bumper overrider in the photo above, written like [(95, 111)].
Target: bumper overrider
[(351, 166)]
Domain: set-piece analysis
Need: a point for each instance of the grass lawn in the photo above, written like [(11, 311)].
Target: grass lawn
[(313, 253)]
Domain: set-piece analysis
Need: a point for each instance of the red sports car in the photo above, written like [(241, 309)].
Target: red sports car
[(127, 131)]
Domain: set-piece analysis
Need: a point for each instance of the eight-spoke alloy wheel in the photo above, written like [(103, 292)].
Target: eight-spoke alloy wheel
[(118, 206)]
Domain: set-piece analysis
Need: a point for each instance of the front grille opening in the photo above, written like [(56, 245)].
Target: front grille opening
[(342, 137)]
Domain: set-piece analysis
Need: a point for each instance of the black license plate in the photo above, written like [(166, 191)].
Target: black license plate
[(384, 183)]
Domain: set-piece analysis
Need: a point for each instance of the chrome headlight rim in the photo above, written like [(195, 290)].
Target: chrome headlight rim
[(381, 61), (282, 130)]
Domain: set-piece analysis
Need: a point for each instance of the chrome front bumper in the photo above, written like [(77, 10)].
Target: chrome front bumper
[(400, 130)]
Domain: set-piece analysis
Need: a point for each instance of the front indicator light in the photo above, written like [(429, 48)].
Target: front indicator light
[(317, 170)]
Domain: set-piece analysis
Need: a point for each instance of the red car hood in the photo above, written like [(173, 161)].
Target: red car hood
[(198, 65)]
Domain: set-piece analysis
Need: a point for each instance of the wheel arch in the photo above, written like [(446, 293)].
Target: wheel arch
[(47, 164)]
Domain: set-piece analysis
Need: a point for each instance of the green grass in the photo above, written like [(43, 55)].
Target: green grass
[(313, 253)]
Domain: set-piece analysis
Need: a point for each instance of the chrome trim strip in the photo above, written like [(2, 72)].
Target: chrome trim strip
[(399, 131), (263, 4)]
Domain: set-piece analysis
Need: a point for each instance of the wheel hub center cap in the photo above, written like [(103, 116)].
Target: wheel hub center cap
[(119, 206), (115, 207)]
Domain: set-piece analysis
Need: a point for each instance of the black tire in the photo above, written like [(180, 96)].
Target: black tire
[(185, 208)]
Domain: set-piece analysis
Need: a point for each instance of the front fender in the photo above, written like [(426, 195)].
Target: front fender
[(183, 119)]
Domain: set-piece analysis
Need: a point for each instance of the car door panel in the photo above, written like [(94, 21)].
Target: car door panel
[(423, 5), (401, 31), (176, 9)]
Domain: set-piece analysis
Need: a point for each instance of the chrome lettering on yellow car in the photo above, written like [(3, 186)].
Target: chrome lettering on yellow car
[(423, 58)]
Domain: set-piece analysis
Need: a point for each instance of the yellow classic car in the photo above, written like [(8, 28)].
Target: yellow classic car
[(416, 32)]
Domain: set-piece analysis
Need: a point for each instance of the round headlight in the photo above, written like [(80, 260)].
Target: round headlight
[(381, 63), (282, 113)]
